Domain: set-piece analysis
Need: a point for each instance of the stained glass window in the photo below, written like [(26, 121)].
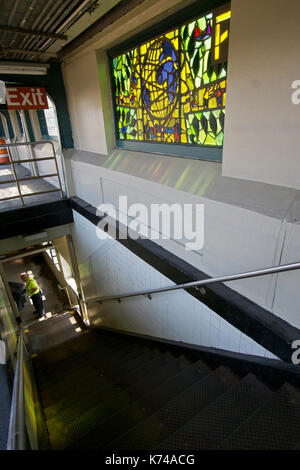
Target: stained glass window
[(172, 89)]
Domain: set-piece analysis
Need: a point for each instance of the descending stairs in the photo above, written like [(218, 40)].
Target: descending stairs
[(109, 391)]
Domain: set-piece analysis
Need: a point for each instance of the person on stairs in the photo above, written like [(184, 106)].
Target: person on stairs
[(33, 291)]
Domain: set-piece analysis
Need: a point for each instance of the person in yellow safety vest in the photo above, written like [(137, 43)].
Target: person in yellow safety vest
[(34, 293)]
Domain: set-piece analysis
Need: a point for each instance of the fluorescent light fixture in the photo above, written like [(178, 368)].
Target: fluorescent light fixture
[(23, 69)]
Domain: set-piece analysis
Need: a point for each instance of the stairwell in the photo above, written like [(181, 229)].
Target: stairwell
[(101, 390)]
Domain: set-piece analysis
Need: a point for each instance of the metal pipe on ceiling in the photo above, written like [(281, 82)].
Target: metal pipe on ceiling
[(31, 7), (76, 15), (66, 12), (30, 42), (120, 9), (46, 26), (11, 17), (42, 14)]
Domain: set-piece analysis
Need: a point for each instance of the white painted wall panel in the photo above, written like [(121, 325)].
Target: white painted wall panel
[(287, 296), (262, 124), (247, 199), (109, 268), (84, 103), (236, 239)]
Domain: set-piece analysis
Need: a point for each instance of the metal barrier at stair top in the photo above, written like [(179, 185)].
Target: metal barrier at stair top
[(35, 174)]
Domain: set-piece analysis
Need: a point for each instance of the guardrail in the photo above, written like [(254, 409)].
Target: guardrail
[(17, 180), (17, 431), (27, 430), (200, 284)]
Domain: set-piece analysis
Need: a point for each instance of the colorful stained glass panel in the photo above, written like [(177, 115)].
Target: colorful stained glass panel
[(172, 89)]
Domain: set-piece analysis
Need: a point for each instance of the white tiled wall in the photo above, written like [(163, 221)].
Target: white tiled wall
[(109, 268), (236, 238)]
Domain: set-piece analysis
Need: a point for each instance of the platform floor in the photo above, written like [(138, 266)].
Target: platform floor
[(30, 186)]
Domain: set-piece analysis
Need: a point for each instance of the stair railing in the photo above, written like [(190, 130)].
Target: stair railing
[(17, 431), (200, 284), (27, 429), (34, 177)]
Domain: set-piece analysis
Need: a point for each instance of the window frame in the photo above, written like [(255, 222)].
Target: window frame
[(52, 256), (184, 150)]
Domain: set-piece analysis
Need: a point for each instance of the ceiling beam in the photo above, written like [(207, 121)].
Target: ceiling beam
[(32, 32)]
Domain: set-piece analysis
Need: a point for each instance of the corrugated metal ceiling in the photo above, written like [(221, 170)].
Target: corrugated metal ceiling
[(27, 26)]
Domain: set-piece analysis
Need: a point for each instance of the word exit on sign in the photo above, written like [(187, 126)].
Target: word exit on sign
[(26, 98)]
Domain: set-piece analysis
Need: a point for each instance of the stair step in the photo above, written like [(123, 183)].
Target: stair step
[(62, 434), (72, 376), (81, 380), (150, 381), (96, 392), (65, 389), (71, 348), (93, 359), (132, 365), (85, 374), (129, 379), (111, 427), (216, 421), (125, 419), (149, 433), (167, 390), (274, 426), (76, 350)]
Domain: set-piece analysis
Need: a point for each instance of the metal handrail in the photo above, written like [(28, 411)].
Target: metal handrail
[(17, 430), (203, 282), (31, 160)]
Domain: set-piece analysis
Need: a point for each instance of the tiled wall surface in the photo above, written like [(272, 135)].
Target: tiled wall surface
[(109, 268), (247, 232)]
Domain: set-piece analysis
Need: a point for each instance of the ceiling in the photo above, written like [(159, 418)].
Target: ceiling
[(37, 30)]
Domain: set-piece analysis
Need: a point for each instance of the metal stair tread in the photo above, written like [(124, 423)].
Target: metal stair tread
[(149, 433), (108, 429), (159, 395), (61, 434), (58, 392), (274, 426), (73, 349), (132, 365), (111, 427), (92, 358), (216, 421), (130, 378), (152, 380), (96, 392)]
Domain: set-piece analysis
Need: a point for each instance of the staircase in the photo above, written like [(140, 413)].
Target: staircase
[(101, 390)]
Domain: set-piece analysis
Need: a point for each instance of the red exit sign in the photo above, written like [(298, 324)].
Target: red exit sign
[(26, 98)]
